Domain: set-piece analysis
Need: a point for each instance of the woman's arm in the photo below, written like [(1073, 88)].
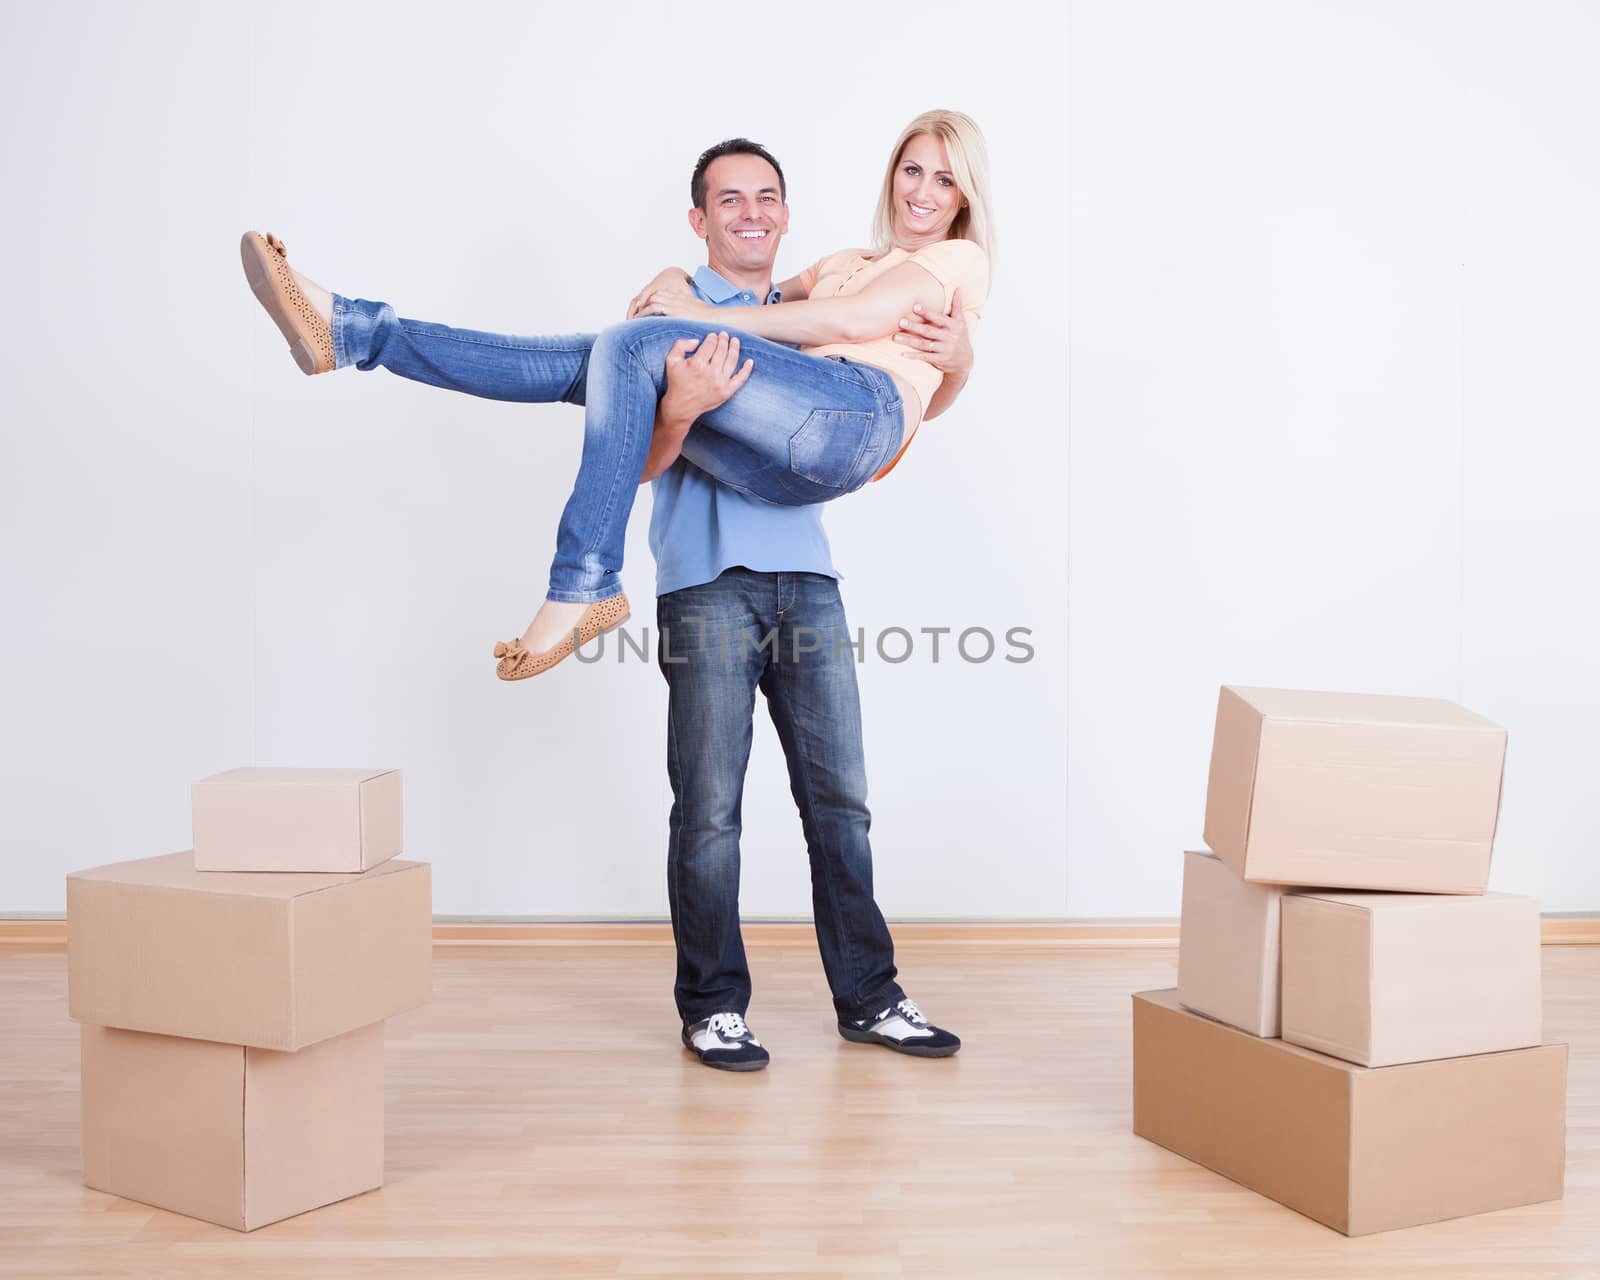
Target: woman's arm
[(672, 279), (675, 280), (946, 395), (873, 313)]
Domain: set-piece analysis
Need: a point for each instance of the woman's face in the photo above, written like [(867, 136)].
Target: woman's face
[(926, 199)]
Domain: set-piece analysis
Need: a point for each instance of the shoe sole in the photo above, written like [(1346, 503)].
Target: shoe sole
[(723, 1066), (889, 1042), (260, 277)]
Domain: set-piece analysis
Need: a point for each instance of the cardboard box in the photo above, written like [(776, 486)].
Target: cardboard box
[(240, 1137), (1383, 978), (1228, 945), (274, 961), (296, 819), (1354, 791), (1356, 1148)]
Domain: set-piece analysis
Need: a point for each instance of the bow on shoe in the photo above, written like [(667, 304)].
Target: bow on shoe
[(512, 649), (274, 243)]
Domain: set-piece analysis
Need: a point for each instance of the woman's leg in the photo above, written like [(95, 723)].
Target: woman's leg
[(495, 366), (801, 430)]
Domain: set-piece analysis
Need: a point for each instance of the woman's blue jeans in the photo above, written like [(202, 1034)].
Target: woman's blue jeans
[(803, 429)]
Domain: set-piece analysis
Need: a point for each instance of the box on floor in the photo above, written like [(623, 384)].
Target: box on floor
[(234, 1135), (1359, 1149)]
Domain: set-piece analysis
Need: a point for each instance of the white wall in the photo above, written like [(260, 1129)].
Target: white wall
[(1333, 405), (1326, 316)]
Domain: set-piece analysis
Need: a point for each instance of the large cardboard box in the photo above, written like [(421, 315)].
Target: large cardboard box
[(240, 1137), (275, 961), (1228, 945), (1353, 791), (296, 819), (1357, 1148), (1384, 978)]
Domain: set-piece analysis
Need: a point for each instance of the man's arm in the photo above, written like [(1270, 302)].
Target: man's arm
[(944, 342), (696, 384)]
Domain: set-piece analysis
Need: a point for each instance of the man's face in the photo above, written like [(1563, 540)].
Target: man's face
[(745, 216)]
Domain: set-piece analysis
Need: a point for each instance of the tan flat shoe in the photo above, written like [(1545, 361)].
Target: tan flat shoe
[(518, 662), (266, 267)]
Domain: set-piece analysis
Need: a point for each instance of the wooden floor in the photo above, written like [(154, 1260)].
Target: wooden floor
[(544, 1120)]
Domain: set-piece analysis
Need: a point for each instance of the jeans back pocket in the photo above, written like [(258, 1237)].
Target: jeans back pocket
[(827, 447)]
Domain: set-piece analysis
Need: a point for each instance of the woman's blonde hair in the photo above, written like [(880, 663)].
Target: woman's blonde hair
[(969, 166)]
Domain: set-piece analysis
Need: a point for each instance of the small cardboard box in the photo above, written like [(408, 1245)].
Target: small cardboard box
[(274, 961), (1228, 945), (1385, 978), (240, 1137), (1356, 1148), (296, 819), (1354, 791)]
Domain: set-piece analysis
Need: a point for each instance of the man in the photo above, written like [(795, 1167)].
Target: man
[(747, 599)]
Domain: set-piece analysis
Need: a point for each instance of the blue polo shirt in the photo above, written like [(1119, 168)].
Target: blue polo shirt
[(699, 527)]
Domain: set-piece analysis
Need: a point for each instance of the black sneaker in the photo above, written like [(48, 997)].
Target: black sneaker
[(723, 1041), (902, 1027)]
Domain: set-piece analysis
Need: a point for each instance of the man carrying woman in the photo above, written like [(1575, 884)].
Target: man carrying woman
[(743, 437)]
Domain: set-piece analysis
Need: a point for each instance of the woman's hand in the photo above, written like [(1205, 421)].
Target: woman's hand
[(671, 280), (678, 305), (942, 341)]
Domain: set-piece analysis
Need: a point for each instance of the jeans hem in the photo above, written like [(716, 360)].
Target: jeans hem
[(583, 597), (724, 1008), (341, 356), (887, 996)]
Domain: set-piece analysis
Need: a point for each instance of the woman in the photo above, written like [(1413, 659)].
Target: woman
[(806, 425)]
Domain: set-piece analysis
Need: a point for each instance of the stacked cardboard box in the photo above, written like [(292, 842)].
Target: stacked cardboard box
[(1356, 1028), (232, 1020)]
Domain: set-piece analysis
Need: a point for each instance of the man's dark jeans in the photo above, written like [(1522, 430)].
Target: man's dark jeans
[(785, 634)]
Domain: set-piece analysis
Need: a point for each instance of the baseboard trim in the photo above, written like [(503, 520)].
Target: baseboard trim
[(1160, 933), (1570, 931), (1557, 931)]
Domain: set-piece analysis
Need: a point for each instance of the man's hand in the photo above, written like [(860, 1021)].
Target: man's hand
[(696, 384), (940, 340), (671, 279)]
